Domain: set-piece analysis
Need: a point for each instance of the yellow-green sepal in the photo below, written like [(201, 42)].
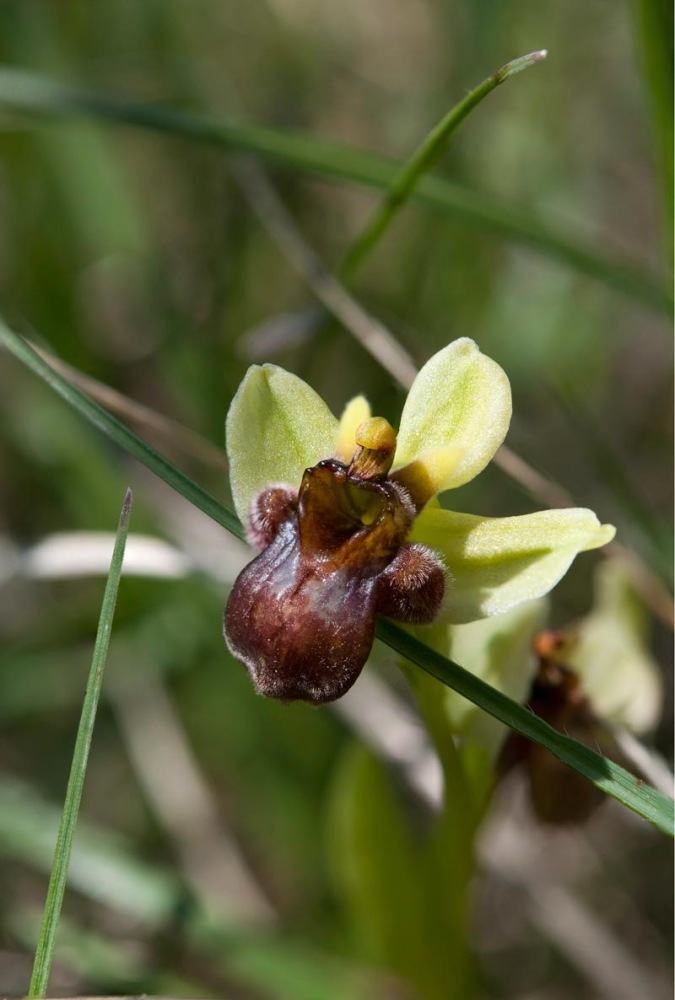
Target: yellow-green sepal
[(276, 427), (496, 563), (461, 401)]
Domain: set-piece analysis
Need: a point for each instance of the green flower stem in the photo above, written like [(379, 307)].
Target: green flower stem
[(36, 94), (71, 807), (452, 843), (612, 779), (422, 160)]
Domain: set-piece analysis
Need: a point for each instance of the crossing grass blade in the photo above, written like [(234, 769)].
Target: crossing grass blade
[(64, 842), (609, 777), (121, 435), (35, 94), (605, 774)]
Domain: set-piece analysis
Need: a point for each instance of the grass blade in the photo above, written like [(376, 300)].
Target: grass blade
[(654, 21), (121, 435), (71, 807), (612, 779), (425, 156), (36, 94)]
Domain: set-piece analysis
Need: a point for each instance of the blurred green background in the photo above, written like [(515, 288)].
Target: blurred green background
[(138, 258)]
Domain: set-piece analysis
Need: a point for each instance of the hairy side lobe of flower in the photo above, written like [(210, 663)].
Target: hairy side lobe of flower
[(301, 616)]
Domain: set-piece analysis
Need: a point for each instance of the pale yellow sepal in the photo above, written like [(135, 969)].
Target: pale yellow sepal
[(495, 563), (460, 399), (429, 474), (276, 427), (355, 413)]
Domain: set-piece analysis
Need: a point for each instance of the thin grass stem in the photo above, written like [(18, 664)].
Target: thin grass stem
[(120, 434), (422, 160), (64, 842), (604, 773)]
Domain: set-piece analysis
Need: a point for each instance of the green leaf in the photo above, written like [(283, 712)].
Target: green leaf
[(277, 426), (496, 563), (645, 801), (461, 399), (405, 889), (373, 860), (655, 24), (71, 807), (32, 93)]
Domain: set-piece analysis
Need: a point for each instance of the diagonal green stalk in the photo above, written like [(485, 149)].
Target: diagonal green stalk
[(612, 779), (36, 94), (64, 842), (422, 160), (121, 435), (604, 773)]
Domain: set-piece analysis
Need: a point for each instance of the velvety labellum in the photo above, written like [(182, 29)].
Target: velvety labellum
[(301, 616)]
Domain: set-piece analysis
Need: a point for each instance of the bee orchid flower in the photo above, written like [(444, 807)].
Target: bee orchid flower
[(344, 517)]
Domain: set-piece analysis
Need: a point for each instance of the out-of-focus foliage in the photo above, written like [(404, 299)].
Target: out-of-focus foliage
[(138, 259)]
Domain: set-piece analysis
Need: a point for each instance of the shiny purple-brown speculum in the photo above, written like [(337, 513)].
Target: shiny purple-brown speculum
[(301, 616)]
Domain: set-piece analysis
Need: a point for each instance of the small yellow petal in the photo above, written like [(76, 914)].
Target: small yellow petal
[(430, 473), (354, 414)]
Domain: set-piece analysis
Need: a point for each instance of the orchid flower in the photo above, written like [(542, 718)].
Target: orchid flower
[(344, 516)]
